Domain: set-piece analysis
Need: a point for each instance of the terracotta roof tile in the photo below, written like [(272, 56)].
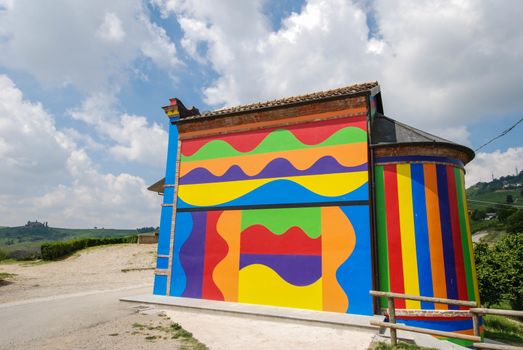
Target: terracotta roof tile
[(347, 90)]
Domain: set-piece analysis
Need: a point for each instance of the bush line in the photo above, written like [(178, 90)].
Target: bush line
[(57, 250)]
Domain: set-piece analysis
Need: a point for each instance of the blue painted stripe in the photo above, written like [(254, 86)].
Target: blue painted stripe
[(162, 263), (172, 154), (422, 234), (446, 233), (447, 326), (184, 228), (284, 192), (164, 236), (425, 159), (160, 285), (355, 274)]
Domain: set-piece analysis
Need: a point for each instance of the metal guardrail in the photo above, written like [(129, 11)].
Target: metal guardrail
[(474, 311)]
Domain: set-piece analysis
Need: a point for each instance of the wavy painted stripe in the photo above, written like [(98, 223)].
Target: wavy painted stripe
[(279, 167), (347, 155), (260, 284), (184, 229), (276, 141), (355, 274), (191, 257), (326, 187), (225, 275), (298, 270), (258, 239), (279, 220), (283, 192), (310, 134), (215, 250), (338, 242)]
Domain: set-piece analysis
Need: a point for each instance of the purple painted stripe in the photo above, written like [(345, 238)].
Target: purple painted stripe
[(191, 256), (299, 270), (278, 167)]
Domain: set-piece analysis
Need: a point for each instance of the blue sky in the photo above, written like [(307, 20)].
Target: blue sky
[(81, 85)]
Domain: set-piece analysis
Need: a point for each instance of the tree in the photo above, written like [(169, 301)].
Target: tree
[(515, 222), (509, 199), (489, 281), (504, 213), (478, 214), (499, 269)]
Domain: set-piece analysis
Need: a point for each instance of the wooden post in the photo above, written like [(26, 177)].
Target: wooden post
[(392, 319), (475, 323)]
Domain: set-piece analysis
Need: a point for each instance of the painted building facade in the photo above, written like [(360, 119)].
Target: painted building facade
[(312, 201)]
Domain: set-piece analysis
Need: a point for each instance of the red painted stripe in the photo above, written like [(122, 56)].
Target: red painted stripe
[(215, 250), (258, 239), (456, 236), (309, 133), (394, 233)]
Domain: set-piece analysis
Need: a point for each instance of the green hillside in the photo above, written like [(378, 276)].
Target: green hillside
[(496, 206), (23, 242)]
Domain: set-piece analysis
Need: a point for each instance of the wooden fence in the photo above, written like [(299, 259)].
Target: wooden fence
[(474, 312)]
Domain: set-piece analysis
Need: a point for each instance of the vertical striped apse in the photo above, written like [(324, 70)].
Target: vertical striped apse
[(424, 240)]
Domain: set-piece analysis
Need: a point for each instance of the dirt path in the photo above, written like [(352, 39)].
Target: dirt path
[(74, 303), (97, 268)]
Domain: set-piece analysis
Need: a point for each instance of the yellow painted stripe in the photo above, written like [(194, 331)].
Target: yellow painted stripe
[(214, 193), (469, 237), (408, 237)]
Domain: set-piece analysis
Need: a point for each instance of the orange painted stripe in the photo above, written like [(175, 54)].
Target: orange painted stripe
[(351, 154), (435, 238)]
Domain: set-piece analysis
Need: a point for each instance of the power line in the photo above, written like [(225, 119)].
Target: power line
[(500, 135)]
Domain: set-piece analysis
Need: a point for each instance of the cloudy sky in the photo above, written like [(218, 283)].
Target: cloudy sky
[(82, 82)]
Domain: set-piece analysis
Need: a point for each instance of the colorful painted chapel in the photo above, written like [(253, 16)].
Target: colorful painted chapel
[(312, 201)]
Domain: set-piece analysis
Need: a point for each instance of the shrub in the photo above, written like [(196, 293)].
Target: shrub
[(57, 250), (499, 270), (515, 222), (3, 255)]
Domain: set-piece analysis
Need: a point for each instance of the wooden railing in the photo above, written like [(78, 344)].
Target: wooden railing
[(475, 313)]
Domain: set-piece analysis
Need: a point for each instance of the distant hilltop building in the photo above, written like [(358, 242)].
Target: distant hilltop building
[(312, 201), (36, 224)]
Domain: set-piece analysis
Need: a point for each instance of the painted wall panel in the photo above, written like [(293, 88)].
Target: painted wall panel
[(306, 163), (425, 202), (276, 217), (314, 257)]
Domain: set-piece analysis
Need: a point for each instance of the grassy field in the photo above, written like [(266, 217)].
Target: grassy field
[(504, 329), (499, 196)]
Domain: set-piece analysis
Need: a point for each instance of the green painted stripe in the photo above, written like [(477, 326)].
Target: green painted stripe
[(383, 255), (463, 216), (278, 221), (276, 141)]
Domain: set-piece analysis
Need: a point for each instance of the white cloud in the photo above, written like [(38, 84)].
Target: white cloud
[(111, 28), (496, 164), (32, 150), (47, 176), (88, 45), (128, 137), (439, 63)]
